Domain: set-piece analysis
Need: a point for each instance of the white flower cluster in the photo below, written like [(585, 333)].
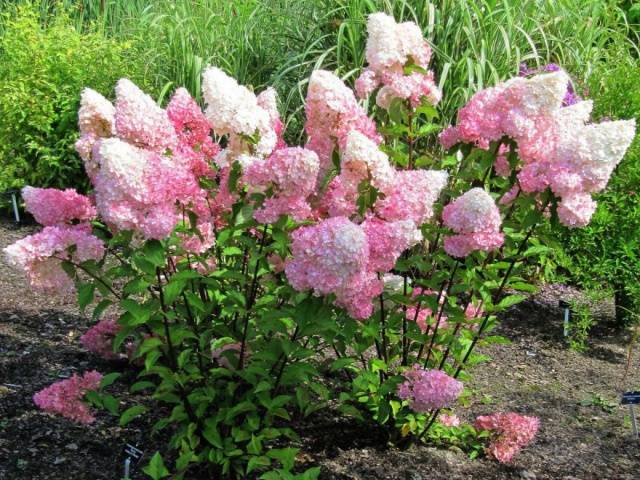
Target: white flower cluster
[(234, 110), (96, 115), (362, 158)]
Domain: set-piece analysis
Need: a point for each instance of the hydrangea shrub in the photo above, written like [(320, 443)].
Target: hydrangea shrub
[(234, 270)]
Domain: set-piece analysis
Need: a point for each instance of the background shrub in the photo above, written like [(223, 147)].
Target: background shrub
[(476, 43), (45, 61)]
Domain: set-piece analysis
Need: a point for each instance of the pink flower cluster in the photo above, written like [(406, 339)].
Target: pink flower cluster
[(144, 161), (429, 389), (99, 338), (407, 194), (510, 433), (40, 255), (50, 206), (449, 420), (66, 397), (341, 257), (332, 112), (291, 173), (194, 132), (391, 47), (423, 315), (412, 195), (558, 146), (475, 218)]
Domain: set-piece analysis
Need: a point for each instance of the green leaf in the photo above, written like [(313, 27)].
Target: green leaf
[(111, 403), (85, 294), (350, 410), (109, 379), (100, 308), (131, 413), (212, 435), (254, 447), (172, 290), (536, 250), (234, 175), (311, 474), (378, 365), (142, 385), (153, 251), (257, 462), (428, 111), (428, 129), (510, 301), (148, 345), (231, 251), (68, 268), (340, 363), (524, 287), (286, 456), (156, 469), (140, 313), (137, 285), (397, 111)]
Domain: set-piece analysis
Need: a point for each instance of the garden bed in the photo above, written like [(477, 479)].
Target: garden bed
[(584, 433)]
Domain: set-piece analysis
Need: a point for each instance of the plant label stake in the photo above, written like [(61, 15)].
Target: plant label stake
[(14, 203), (567, 314), (631, 399), (130, 452)]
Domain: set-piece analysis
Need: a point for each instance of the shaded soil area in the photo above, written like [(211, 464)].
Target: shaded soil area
[(584, 433)]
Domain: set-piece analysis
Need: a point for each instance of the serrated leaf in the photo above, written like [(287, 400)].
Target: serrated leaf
[(137, 285)]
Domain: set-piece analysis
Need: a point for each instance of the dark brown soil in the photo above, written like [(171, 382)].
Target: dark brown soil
[(536, 375)]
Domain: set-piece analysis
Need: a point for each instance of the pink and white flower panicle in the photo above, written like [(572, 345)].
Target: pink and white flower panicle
[(40, 255), (559, 148), (475, 218), (66, 397), (392, 47), (429, 389), (510, 432), (99, 338)]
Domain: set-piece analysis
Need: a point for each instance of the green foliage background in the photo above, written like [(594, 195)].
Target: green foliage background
[(44, 64)]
